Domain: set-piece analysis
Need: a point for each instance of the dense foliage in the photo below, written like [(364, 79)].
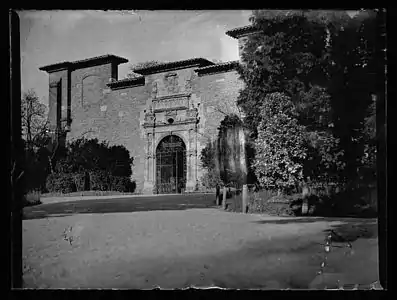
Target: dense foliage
[(309, 83), (33, 120), (92, 165), (88, 155), (222, 157), (281, 148)]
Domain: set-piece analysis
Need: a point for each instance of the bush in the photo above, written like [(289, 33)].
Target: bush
[(267, 202), (91, 154), (60, 183), (210, 179), (122, 184), (100, 181), (79, 181), (32, 198)]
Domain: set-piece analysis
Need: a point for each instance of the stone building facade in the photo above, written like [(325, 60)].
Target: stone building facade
[(164, 117)]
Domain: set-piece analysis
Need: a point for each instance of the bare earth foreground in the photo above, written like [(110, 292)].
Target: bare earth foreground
[(197, 247)]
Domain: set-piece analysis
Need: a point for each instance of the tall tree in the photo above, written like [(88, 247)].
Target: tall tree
[(324, 63), (34, 120), (35, 137), (354, 66)]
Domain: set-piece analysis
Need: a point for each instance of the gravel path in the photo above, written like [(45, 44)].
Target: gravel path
[(176, 249)]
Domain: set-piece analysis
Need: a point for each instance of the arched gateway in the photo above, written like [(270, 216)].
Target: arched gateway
[(170, 165)]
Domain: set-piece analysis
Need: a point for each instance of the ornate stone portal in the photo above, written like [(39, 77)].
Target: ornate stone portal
[(171, 115)]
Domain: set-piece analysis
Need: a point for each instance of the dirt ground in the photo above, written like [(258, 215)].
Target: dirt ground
[(198, 247)]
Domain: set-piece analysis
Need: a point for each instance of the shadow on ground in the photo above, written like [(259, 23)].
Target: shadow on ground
[(353, 230), (280, 264), (118, 206), (349, 231)]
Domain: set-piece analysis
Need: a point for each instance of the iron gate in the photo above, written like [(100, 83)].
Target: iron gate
[(171, 166)]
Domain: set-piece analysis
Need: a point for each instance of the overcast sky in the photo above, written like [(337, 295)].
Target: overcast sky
[(49, 37)]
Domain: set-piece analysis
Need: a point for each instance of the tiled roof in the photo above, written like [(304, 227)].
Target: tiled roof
[(237, 32), (162, 67), (127, 82), (84, 62), (221, 67)]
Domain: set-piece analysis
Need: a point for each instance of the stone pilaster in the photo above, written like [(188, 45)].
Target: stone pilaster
[(191, 161), (149, 165)]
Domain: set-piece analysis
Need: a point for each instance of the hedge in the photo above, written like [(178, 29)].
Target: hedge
[(79, 181), (60, 183), (98, 181), (276, 205), (104, 181), (122, 184)]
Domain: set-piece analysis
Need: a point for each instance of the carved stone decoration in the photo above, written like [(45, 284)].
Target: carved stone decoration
[(171, 113), (191, 152), (149, 152), (54, 84), (150, 117), (192, 113), (154, 90), (188, 85), (172, 82)]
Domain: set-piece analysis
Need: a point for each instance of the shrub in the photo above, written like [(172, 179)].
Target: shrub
[(91, 154), (122, 184), (267, 202), (60, 183), (79, 181), (100, 180), (210, 179), (32, 198)]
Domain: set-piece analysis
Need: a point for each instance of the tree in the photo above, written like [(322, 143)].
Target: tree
[(284, 57), (284, 63), (34, 120), (91, 155), (322, 62), (35, 137), (281, 147), (354, 67), (222, 157), (140, 65)]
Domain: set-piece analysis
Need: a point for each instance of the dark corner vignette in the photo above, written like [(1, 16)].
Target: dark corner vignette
[(381, 124), (15, 157)]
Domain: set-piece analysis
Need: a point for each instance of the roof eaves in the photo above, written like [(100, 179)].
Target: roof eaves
[(241, 31), (56, 67), (109, 57), (218, 68), (79, 63), (127, 82), (173, 66)]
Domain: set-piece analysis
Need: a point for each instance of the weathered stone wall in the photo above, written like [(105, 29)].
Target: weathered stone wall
[(63, 78), (218, 94), (113, 116), (87, 98), (124, 114)]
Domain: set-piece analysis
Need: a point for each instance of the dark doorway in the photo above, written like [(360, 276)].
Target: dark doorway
[(171, 165)]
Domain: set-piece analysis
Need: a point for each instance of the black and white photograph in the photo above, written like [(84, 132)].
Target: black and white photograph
[(178, 149)]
